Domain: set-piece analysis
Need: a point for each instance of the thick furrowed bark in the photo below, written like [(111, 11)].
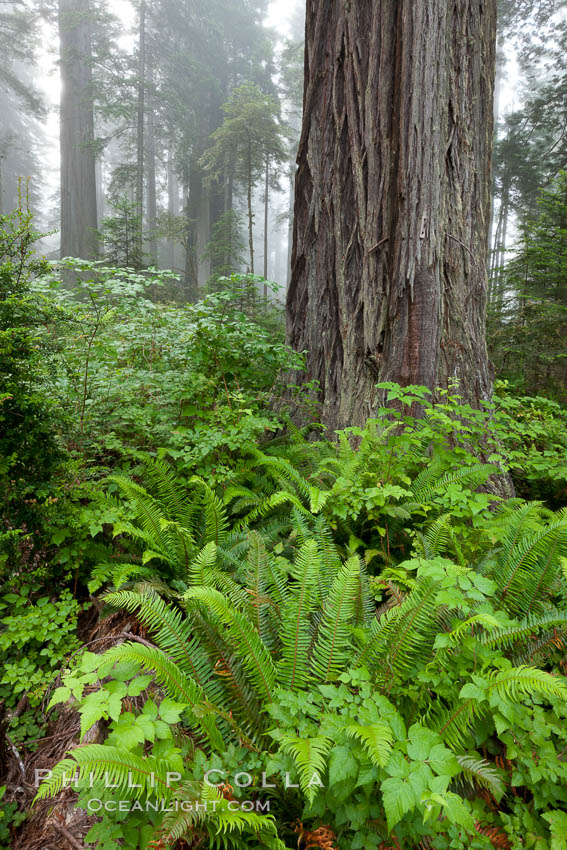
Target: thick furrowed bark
[(392, 199)]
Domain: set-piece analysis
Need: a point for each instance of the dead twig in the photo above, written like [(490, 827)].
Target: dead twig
[(69, 837)]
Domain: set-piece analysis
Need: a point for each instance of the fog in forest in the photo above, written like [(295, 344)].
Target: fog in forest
[(146, 101), (283, 424), (131, 94)]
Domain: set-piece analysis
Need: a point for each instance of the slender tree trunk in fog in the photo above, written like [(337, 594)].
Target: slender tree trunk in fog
[(172, 205), (290, 224), (392, 199), (250, 211), (203, 237), (140, 126), (193, 195), (99, 172), (500, 66), (266, 219), (228, 192), (78, 169), (151, 168)]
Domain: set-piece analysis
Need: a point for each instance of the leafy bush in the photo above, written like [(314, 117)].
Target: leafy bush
[(28, 448), (36, 638), (406, 721), (193, 382)]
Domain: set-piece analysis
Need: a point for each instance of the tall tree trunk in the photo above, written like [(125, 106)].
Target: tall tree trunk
[(290, 224), (250, 211), (499, 249), (266, 221), (140, 128), (151, 171), (228, 192), (500, 63), (193, 201), (280, 272), (78, 171), (393, 199), (203, 236), (99, 172), (172, 205)]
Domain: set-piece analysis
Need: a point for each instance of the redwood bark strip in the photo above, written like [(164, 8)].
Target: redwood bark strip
[(392, 199)]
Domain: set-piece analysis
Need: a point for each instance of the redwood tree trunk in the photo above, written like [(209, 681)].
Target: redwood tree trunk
[(172, 205), (250, 211), (266, 223), (140, 129), (392, 199), (151, 171), (78, 168)]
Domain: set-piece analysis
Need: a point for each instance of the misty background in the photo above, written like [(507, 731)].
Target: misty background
[(166, 77)]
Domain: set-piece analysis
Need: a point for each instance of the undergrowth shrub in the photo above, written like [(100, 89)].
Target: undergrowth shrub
[(28, 447), (192, 382), (383, 712)]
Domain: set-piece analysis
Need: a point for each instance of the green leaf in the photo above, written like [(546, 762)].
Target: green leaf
[(59, 695), (376, 739), (170, 711), (342, 765), (139, 684), (399, 798), (558, 825), (420, 743)]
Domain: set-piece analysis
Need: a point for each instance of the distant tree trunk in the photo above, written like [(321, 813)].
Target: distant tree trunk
[(500, 63), (250, 211), (392, 199), (290, 223), (203, 237), (193, 199), (151, 170), (280, 273), (228, 192), (228, 186), (78, 170), (140, 127), (499, 248), (172, 205), (99, 171), (266, 221)]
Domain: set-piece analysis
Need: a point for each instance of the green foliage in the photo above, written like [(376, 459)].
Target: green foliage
[(226, 248), (528, 319), (37, 636), (250, 133), (28, 449), (362, 621), (190, 382), (275, 662), (120, 235), (533, 437)]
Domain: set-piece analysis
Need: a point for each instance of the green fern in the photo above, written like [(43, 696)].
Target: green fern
[(295, 630), (376, 739), (172, 632), (133, 775), (244, 639), (479, 772), (310, 755), (333, 645)]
